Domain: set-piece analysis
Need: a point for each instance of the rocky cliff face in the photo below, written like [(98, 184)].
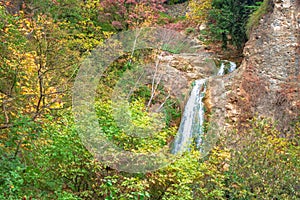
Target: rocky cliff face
[(267, 84)]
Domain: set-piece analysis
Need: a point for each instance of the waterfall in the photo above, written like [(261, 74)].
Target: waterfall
[(221, 70), (192, 119), (191, 125), (232, 66)]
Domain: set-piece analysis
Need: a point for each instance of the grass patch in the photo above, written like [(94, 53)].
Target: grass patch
[(265, 7)]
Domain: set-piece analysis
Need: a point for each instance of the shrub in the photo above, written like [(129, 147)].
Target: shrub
[(264, 165)]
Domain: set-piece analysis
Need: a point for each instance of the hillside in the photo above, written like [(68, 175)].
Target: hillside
[(149, 99)]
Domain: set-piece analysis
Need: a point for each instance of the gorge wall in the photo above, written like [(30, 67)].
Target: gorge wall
[(267, 84)]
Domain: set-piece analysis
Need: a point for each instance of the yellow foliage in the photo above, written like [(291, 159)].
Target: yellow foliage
[(35, 67), (199, 10)]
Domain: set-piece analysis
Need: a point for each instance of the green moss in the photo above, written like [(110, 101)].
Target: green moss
[(265, 7), (165, 15)]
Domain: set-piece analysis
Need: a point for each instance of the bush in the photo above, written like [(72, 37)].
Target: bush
[(264, 165)]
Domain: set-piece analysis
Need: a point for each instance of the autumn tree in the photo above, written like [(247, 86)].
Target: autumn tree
[(125, 14)]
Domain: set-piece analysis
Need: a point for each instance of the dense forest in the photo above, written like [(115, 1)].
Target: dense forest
[(45, 43)]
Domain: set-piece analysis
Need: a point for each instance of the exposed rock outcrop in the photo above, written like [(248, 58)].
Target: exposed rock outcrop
[(178, 71), (267, 84)]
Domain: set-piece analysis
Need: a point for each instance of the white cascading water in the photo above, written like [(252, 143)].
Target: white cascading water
[(221, 70), (192, 119), (191, 125), (232, 66)]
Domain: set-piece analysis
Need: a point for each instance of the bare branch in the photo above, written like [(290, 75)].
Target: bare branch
[(40, 79), (6, 126), (154, 86), (5, 112), (134, 43), (160, 107)]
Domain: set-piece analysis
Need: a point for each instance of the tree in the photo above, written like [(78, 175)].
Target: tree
[(125, 14), (228, 19)]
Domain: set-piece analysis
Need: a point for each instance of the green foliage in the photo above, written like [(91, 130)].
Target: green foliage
[(66, 9), (140, 121), (78, 18), (37, 164), (189, 30), (227, 21), (41, 153), (191, 178), (171, 2), (264, 165), (12, 47), (23, 134), (176, 49)]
